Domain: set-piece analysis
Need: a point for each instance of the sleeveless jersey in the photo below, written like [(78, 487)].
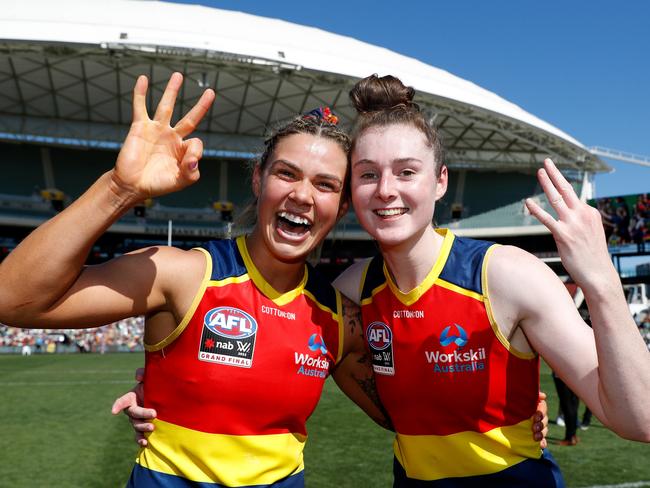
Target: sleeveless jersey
[(235, 382), (459, 395)]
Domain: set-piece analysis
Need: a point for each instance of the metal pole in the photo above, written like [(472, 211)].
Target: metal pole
[(169, 232)]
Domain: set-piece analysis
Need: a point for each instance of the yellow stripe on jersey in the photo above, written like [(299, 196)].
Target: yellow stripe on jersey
[(414, 295), (229, 281), (190, 311), (341, 318), (460, 290), (263, 285), (432, 457), (488, 309), (241, 460)]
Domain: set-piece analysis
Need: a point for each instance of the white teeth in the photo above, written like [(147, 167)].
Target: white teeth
[(296, 219), (387, 212)]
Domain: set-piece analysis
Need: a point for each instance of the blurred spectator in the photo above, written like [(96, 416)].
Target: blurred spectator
[(124, 335)]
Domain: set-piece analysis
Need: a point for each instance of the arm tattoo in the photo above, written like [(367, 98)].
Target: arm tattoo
[(369, 387), (352, 316)]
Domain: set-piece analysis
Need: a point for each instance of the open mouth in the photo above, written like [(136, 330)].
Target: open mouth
[(391, 212), (293, 224)]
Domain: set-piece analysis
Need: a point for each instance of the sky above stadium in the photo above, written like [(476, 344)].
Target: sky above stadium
[(582, 66)]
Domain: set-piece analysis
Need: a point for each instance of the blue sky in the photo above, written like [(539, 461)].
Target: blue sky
[(583, 66)]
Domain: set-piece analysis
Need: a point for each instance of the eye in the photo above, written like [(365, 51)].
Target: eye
[(407, 172), (368, 175), (286, 173), (328, 186)]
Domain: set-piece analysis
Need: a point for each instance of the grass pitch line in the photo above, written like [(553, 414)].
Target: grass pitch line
[(636, 484), (65, 383)]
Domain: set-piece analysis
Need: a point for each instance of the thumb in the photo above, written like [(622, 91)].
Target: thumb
[(125, 401), (190, 163)]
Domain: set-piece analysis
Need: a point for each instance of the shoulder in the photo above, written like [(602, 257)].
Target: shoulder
[(173, 265), (523, 280), (349, 281)]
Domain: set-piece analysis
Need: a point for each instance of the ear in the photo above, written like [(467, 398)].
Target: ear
[(257, 181), (441, 184), (343, 209)]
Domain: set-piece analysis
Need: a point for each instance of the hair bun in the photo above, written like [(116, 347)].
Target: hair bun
[(374, 93)]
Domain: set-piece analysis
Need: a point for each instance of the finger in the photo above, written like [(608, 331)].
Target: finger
[(190, 122), (140, 99), (166, 106), (140, 439), (125, 401), (540, 214), (142, 427), (541, 396), (139, 375), (140, 413), (552, 194), (190, 161), (561, 184)]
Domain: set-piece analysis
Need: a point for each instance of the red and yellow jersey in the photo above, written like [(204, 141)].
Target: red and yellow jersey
[(235, 382), (459, 395)]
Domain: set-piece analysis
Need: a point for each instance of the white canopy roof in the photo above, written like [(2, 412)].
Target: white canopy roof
[(75, 55)]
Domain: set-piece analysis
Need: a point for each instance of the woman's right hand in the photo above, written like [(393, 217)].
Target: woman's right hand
[(131, 404), (155, 158)]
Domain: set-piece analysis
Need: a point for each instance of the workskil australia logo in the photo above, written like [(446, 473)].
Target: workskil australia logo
[(380, 340), (460, 360), (228, 337), (313, 366)]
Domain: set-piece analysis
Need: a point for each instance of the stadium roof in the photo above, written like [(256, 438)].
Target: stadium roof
[(67, 70)]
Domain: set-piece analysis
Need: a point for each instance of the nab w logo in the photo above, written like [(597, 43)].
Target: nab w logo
[(447, 338), (230, 322), (379, 336)]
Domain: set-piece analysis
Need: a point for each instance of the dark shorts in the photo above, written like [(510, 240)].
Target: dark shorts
[(531, 473), (146, 478)]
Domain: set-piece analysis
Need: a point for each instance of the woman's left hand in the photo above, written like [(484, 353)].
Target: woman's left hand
[(578, 230)]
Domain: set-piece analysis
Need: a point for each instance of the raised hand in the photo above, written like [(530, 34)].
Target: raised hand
[(578, 230), (155, 158)]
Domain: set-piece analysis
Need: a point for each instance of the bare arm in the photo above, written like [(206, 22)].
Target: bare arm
[(43, 282), (609, 367), (354, 374)]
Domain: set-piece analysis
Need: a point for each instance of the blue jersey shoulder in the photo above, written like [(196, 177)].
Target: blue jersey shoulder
[(465, 263), (227, 262)]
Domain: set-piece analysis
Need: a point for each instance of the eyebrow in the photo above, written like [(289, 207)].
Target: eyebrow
[(396, 160), (297, 168)]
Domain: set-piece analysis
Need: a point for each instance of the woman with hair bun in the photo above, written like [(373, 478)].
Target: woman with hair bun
[(455, 326)]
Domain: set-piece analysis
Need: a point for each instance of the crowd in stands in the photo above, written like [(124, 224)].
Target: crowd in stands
[(122, 336), (625, 226)]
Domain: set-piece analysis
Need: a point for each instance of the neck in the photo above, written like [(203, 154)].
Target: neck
[(282, 276), (410, 262)]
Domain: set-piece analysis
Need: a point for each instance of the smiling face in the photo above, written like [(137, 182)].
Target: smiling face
[(299, 197), (394, 184)]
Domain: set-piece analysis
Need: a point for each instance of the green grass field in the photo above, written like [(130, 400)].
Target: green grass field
[(56, 430)]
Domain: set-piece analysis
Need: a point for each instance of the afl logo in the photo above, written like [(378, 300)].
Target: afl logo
[(379, 336), (230, 322)]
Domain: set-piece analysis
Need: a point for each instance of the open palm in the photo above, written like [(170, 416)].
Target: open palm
[(155, 158)]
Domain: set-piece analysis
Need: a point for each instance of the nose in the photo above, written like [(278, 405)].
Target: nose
[(386, 187), (302, 193)]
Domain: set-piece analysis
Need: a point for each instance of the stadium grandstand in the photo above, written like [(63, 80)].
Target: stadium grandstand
[(65, 86)]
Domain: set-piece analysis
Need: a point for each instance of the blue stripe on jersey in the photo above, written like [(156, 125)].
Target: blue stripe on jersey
[(227, 262), (465, 262), (531, 473), (374, 276), (321, 288), (146, 478)]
